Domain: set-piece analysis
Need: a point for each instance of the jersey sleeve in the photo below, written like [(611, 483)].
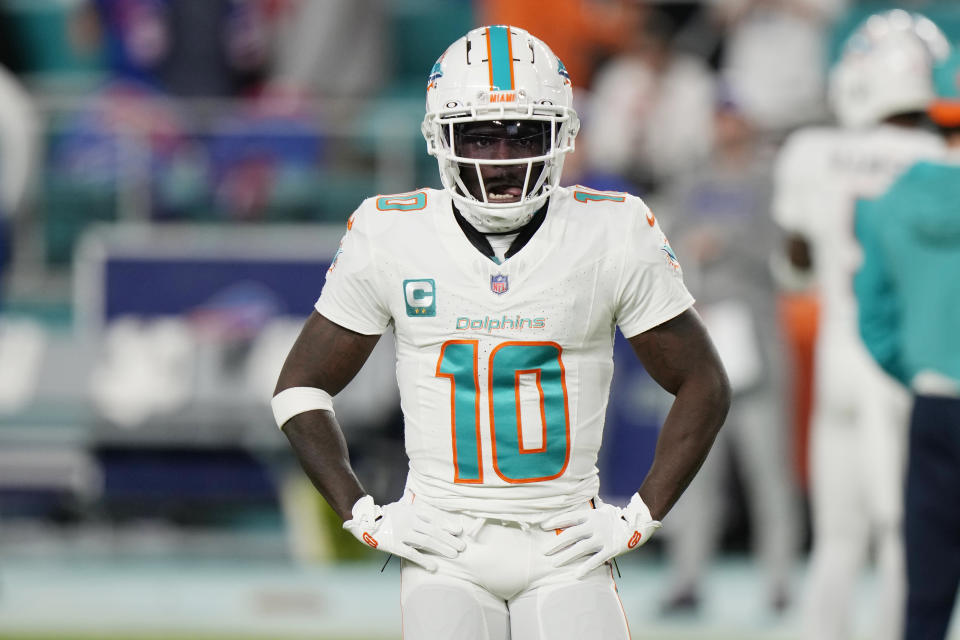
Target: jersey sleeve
[(797, 183), (651, 289), (351, 296)]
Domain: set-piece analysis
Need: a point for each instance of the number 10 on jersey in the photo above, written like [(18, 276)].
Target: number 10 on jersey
[(509, 365)]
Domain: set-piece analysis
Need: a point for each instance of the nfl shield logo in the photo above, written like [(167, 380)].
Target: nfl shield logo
[(498, 284)]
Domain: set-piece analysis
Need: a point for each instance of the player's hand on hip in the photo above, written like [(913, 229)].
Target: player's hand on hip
[(399, 529), (594, 536)]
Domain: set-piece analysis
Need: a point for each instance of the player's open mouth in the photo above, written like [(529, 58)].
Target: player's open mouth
[(504, 194)]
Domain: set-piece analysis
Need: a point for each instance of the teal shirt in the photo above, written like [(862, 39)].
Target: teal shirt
[(908, 287)]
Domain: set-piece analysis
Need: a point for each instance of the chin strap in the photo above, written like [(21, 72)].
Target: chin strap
[(484, 221)]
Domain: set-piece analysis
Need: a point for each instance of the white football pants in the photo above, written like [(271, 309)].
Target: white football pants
[(502, 587), (857, 449)]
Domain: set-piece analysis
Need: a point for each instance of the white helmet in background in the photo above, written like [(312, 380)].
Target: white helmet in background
[(885, 68), (499, 75)]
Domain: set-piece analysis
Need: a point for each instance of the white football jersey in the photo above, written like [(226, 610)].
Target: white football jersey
[(504, 369), (820, 174)]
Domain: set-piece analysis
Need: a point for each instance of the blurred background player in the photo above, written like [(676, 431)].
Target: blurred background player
[(500, 527), (879, 90), (909, 314), (719, 218)]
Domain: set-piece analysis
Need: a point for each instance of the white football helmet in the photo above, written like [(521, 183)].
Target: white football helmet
[(504, 77), (885, 68)]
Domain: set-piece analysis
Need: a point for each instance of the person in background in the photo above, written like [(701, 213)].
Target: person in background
[(311, 38), (880, 89), (216, 48), (775, 52), (650, 109), (719, 217), (909, 297)]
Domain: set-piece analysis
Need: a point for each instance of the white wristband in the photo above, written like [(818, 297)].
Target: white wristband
[(297, 400)]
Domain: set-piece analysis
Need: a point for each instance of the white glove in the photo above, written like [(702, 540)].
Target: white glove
[(597, 535), (396, 528)]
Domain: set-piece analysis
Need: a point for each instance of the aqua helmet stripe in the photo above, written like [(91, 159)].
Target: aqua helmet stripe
[(500, 58)]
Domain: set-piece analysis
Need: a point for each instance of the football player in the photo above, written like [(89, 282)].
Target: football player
[(503, 291), (879, 90)]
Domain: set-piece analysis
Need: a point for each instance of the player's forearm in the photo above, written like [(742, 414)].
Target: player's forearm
[(685, 439), (320, 447)]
